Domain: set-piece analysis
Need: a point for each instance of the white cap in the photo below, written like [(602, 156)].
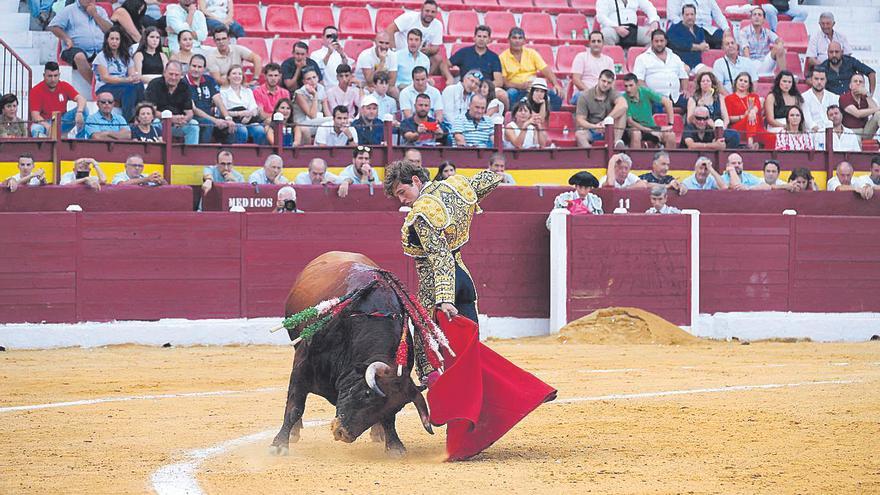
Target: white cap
[(369, 100)]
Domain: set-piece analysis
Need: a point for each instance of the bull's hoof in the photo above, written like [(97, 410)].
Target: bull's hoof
[(279, 450), (395, 451)]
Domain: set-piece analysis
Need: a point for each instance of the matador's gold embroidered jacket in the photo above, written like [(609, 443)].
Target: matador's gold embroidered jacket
[(438, 226)]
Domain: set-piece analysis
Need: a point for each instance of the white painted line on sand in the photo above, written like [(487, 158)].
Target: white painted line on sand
[(839, 364), (617, 370), (103, 400)]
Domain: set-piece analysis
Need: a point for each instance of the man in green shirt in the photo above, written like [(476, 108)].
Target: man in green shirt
[(640, 125)]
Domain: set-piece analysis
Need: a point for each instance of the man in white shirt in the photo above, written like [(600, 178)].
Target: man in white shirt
[(432, 36), (817, 47), (339, 133), (330, 56), (420, 85), (843, 139), (661, 70), (619, 175), (378, 58), (843, 181), (27, 175), (271, 173), (185, 16), (771, 177), (617, 17), (732, 64), (707, 12), (816, 103), (588, 64), (457, 98), (317, 174)]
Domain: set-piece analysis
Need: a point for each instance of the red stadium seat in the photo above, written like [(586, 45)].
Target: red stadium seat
[(461, 24), (438, 82), (282, 20), (733, 17), (282, 49), (256, 45), (354, 47), (483, 5), (794, 65), (546, 52), (385, 16), (315, 44), (249, 18), (107, 6), (556, 129), (711, 56), (616, 54), (315, 18), (794, 35), (565, 57), (586, 7), (554, 6), (501, 24), (631, 56), (566, 23), (355, 22), (538, 27), (677, 124), (517, 5), (498, 47)]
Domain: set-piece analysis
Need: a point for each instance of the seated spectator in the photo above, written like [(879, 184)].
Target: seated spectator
[(817, 47), (584, 183), (619, 174), (588, 64), (130, 16), (802, 180), (792, 137), (762, 45), (497, 164), (167, 93), (387, 104), (317, 174), (771, 177), (872, 179), (142, 129), (330, 56), (456, 97), (843, 139), (659, 174), (286, 201), (594, 106), (473, 128), (27, 175), (409, 59), (379, 57), (221, 14), (687, 40), (860, 111), (480, 57), (115, 74), (707, 94), (658, 202), (270, 92), (227, 56), (782, 96), (358, 172), (224, 171), (81, 26), (292, 68), (794, 10), (538, 100), (420, 86), (839, 70), (701, 134), (81, 174), (51, 95), (215, 123), (185, 16), (619, 22), (704, 178), (731, 65), (310, 108), (106, 125), (661, 70), (10, 125), (271, 173), (242, 107), (41, 11), (445, 171), (184, 55), (524, 131), (432, 30), (149, 60), (421, 129), (640, 124), (735, 178), (369, 128), (133, 175), (288, 125), (843, 178), (706, 13), (339, 133), (346, 92), (745, 112), (520, 64), (494, 105), (815, 107), (413, 155)]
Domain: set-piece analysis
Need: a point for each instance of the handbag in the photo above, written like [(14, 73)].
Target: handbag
[(237, 120), (632, 38), (578, 207)]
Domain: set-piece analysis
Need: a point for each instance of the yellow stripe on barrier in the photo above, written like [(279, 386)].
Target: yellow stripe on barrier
[(8, 169)]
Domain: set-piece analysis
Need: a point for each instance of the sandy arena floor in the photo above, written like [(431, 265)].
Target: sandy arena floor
[(817, 432)]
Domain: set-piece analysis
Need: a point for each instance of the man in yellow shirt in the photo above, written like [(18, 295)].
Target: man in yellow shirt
[(519, 65)]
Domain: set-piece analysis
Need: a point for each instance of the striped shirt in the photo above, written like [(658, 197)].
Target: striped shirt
[(476, 133)]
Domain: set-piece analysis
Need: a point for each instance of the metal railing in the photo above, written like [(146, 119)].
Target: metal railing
[(16, 77)]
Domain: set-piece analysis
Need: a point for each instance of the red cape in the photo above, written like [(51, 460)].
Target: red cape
[(481, 395)]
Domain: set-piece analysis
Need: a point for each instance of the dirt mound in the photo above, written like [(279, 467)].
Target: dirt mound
[(624, 326)]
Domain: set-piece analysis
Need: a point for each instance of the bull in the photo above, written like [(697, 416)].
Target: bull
[(350, 361)]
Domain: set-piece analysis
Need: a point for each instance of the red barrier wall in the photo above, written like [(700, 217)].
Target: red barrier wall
[(109, 198)]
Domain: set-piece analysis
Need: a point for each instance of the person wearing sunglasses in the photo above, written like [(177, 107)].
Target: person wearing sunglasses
[(359, 172), (701, 134), (104, 125)]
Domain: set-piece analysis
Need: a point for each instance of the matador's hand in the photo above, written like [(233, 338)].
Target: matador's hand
[(449, 310)]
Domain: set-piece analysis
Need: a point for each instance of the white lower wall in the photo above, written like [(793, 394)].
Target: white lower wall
[(820, 327)]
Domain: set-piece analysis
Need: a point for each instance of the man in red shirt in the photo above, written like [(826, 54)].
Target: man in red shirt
[(51, 95), (861, 114), (268, 93)]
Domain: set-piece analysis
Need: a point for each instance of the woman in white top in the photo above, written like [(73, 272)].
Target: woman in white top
[(522, 132), (310, 107), (221, 13), (242, 107), (792, 137), (493, 104)]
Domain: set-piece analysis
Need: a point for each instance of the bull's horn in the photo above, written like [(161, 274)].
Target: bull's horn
[(370, 376)]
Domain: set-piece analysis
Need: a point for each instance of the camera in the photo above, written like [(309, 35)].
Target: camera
[(289, 205), (334, 37)]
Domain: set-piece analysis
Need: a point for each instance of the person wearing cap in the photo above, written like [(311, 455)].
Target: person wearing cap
[(271, 173), (457, 97), (411, 58), (584, 183), (286, 201), (370, 129), (520, 64)]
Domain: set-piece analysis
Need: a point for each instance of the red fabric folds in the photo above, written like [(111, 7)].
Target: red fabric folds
[(481, 396)]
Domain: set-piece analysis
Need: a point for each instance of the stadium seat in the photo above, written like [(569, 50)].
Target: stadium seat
[(107, 6), (546, 52), (315, 44), (793, 64), (733, 17), (565, 57), (354, 47), (538, 27), (517, 6), (794, 35), (483, 5), (677, 124), (566, 23), (498, 47), (616, 54), (282, 49), (385, 16), (251, 21), (556, 129), (438, 82), (256, 45), (461, 24), (711, 56), (501, 24), (315, 18), (631, 56), (554, 7), (355, 22), (586, 7), (282, 20)]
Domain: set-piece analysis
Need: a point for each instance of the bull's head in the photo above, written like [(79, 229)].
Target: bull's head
[(373, 392)]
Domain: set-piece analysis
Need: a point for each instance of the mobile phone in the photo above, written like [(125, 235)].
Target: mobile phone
[(82, 174)]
